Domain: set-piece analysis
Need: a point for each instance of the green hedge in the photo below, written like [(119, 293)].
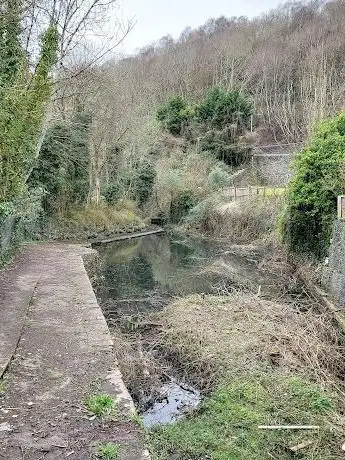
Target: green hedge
[(312, 194)]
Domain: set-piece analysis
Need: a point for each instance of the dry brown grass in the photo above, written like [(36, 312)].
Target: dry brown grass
[(213, 336), (141, 373), (242, 221), (93, 219)]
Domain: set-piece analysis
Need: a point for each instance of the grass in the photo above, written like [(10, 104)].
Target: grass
[(93, 219), (258, 362), (100, 405), (2, 387), (108, 451), (226, 426), (137, 420)]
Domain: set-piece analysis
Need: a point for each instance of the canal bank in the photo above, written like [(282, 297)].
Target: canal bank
[(215, 340), (56, 352)]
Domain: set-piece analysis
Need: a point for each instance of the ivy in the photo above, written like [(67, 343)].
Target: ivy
[(25, 94)]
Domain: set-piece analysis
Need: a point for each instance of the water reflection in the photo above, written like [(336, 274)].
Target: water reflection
[(145, 273)]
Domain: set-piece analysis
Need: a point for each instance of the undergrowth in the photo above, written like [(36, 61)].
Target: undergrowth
[(93, 220), (238, 221)]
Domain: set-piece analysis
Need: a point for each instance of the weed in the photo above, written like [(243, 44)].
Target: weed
[(2, 386), (108, 451), (137, 420), (100, 405)]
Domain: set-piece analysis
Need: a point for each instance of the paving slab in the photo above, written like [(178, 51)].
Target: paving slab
[(64, 354)]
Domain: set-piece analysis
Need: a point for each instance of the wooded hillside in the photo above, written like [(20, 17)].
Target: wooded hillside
[(290, 62)]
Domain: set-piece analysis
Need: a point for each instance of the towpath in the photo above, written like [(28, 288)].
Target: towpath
[(55, 351)]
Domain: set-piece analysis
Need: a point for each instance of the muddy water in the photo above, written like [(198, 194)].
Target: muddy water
[(142, 275)]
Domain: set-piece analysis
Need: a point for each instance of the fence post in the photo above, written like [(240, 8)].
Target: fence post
[(341, 207)]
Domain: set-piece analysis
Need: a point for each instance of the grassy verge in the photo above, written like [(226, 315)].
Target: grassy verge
[(226, 426), (258, 362)]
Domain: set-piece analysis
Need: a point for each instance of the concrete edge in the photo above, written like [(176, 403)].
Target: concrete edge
[(6, 363), (128, 236), (114, 377)]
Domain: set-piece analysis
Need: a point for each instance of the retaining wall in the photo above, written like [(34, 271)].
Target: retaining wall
[(333, 277)]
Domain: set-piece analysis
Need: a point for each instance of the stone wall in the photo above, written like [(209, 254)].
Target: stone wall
[(269, 166), (334, 272), (272, 170)]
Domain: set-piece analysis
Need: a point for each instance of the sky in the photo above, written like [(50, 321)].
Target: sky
[(156, 18)]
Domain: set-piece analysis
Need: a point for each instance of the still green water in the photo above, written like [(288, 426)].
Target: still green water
[(145, 273)]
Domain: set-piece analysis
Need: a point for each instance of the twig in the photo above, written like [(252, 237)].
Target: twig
[(300, 446)]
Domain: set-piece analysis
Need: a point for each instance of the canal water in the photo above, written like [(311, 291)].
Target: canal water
[(142, 275)]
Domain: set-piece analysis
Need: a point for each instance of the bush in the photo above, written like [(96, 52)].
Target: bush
[(239, 221), (62, 168), (181, 205), (224, 146), (218, 124), (218, 179), (143, 182), (225, 108), (112, 193), (306, 224), (174, 115)]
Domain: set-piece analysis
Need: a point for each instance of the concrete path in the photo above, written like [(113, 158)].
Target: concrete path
[(64, 354)]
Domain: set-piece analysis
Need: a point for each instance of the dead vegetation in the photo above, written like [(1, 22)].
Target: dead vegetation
[(212, 337), (205, 339), (240, 222), (94, 220)]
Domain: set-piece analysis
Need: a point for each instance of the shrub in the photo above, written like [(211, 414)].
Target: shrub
[(306, 224), (218, 179), (239, 221), (218, 124), (224, 146), (181, 205), (174, 115), (224, 108), (112, 193), (62, 169), (143, 182)]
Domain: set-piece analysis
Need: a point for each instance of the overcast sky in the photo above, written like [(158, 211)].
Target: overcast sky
[(156, 18)]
